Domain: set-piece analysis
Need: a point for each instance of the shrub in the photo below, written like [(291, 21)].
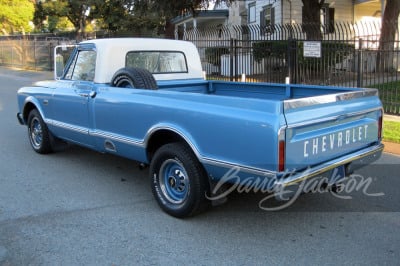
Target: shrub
[(332, 52), (266, 49), (213, 54)]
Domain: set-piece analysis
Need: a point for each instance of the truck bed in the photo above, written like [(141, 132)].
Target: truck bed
[(320, 122), (269, 91)]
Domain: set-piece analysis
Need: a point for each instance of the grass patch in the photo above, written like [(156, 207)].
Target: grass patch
[(391, 131)]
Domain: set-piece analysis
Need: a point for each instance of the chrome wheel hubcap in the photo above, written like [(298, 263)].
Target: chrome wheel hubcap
[(174, 182)]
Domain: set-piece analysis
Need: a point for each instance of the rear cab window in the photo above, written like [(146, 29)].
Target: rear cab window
[(158, 62)]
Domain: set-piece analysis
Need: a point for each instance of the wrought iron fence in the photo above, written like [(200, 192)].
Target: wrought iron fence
[(345, 55)]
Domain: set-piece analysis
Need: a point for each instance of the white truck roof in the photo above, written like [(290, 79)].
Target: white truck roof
[(111, 56)]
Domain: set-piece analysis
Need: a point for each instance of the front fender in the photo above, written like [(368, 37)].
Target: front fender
[(29, 104)]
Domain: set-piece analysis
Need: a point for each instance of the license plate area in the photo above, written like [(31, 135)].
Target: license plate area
[(337, 174)]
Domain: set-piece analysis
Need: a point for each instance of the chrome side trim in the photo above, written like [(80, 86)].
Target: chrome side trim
[(96, 133), (243, 168), (78, 129), (116, 137), (330, 98), (371, 154), (209, 161)]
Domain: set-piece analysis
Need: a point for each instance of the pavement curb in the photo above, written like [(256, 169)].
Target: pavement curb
[(391, 147), (394, 118)]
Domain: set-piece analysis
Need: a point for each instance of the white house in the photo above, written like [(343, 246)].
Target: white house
[(270, 12), (264, 19)]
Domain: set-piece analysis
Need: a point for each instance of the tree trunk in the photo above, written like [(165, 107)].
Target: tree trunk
[(390, 20), (312, 18), (169, 29)]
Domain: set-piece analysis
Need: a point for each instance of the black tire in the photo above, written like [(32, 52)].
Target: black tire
[(178, 181), (134, 78), (38, 133)]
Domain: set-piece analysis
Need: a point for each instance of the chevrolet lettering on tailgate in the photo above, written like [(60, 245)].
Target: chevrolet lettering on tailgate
[(335, 140)]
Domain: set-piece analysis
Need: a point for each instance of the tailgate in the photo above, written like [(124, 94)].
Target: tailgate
[(323, 128)]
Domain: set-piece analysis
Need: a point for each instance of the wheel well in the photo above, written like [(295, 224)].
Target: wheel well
[(161, 138), (27, 109)]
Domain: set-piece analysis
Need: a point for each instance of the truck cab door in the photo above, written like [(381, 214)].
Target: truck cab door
[(72, 98)]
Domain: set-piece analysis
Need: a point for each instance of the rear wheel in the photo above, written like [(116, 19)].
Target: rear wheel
[(178, 181), (38, 133)]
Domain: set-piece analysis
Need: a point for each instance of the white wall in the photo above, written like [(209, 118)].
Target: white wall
[(286, 10)]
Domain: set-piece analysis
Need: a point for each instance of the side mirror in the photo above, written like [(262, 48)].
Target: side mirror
[(58, 66), (61, 54)]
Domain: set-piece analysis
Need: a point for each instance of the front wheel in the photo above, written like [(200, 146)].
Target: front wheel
[(38, 133), (178, 181)]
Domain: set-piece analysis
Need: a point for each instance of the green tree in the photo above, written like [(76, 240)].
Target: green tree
[(115, 15), (78, 12), (119, 15), (170, 9), (51, 16), (15, 16)]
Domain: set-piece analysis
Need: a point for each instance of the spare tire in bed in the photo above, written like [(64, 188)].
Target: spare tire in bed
[(129, 77)]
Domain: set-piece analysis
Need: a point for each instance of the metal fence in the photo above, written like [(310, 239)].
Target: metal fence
[(36, 51), (30, 53), (346, 54)]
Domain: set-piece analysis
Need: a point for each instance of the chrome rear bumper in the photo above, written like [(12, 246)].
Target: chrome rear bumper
[(351, 161)]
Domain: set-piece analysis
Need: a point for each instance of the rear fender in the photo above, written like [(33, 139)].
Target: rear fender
[(156, 137)]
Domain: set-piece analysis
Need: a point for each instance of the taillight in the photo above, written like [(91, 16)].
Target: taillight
[(281, 165), (281, 150), (380, 122)]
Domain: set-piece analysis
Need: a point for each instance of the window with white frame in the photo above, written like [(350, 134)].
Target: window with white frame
[(252, 12), (267, 19)]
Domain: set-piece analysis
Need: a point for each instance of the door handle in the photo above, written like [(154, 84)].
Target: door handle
[(91, 94)]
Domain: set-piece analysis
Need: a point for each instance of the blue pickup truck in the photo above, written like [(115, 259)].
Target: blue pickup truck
[(147, 100)]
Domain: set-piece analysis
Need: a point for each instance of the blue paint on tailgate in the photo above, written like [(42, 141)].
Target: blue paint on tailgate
[(319, 133)]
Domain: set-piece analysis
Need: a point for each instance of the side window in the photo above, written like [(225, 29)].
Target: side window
[(251, 12), (267, 19), (83, 66)]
